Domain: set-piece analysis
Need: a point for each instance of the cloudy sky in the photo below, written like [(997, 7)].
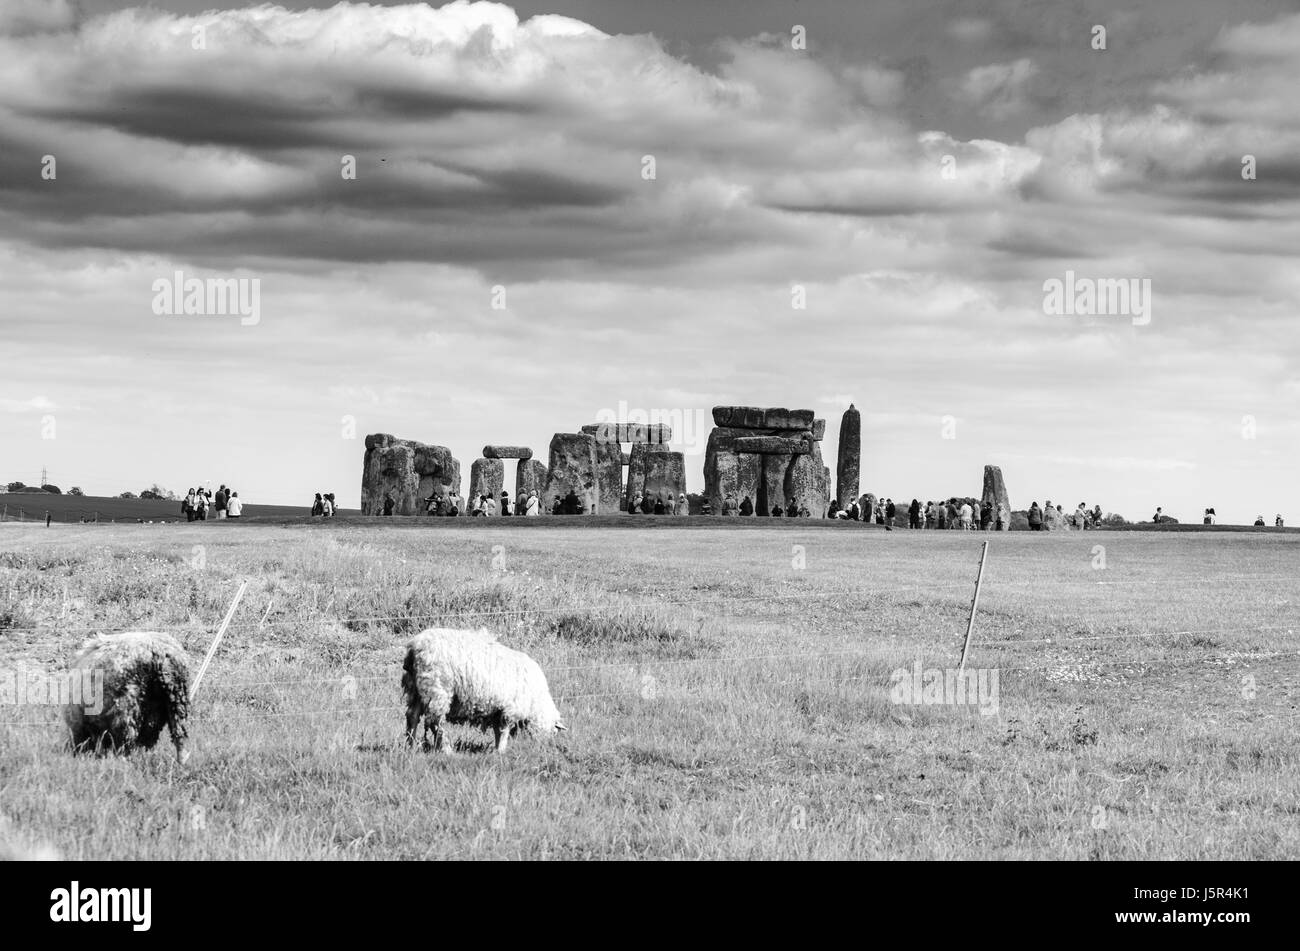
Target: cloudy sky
[(912, 175)]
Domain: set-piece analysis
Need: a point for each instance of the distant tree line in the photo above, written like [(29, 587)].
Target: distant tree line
[(23, 487), (155, 491)]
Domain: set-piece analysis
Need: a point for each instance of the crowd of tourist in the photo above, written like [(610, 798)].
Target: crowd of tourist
[(792, 508), (960, 514), (199, 503), (1051, 518), (643, 504)]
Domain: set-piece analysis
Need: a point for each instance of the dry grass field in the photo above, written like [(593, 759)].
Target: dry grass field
[(728, 693)]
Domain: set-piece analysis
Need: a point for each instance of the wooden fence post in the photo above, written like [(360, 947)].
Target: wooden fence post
[(194, 688), (970, 624)]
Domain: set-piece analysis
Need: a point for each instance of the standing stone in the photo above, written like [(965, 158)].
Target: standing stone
[(412, 471), (572, 466), (848, 465), (655, 471), (609, 477), (530, 475), (995, 492), (726, 473), (808, 483), (486, 477), (771, 490)]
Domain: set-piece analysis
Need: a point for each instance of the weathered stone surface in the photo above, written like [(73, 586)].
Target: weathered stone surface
[(771, 488), (412, 471), (725, 438), (772, 445), (486, 477), (507, 452), (530, 475), (995, 493), (572, 466), (651, 433), (757, 417), (768, 454), (848, 463), (808, 482), (609, 477), (728, 473), (655, 471)]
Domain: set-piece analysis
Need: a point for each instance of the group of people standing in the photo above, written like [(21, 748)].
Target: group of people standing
[(792, 509), (324, 505), (1051, 518), (957, 514), (642, 504), (224, 503), (485, 505)]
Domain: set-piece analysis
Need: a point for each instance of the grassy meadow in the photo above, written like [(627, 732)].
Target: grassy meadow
[(727, 692)]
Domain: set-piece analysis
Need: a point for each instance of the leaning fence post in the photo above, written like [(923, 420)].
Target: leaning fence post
[(970, 624), (194, 689)]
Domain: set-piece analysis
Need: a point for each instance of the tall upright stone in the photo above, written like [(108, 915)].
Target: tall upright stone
[(995, 493), (808, 482), (486, 477), (729, 473), (848, 464), (530, 476), (609, 477), (408, 470), (655, 471), (572, 466), (771, 488)]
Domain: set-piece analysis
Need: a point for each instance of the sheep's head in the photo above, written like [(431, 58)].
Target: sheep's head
[(549, 721)]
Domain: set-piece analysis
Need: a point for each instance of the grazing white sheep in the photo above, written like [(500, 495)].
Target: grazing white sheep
[(146, 683), (471, 677)]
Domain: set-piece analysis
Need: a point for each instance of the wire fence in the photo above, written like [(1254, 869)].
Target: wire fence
[(658, 666), (741, 605), (735, 604)]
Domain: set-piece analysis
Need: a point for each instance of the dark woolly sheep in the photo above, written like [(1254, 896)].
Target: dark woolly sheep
[(146, 682)]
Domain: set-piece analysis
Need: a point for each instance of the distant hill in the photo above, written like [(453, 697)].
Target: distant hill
[(74, 508)]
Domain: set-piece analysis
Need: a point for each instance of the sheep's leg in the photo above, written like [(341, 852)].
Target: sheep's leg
[(178, 709), (502, 729), (176, 727), (441, 742), (413, 714)]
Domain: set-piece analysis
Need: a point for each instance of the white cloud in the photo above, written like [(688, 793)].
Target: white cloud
[(493, 150)]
